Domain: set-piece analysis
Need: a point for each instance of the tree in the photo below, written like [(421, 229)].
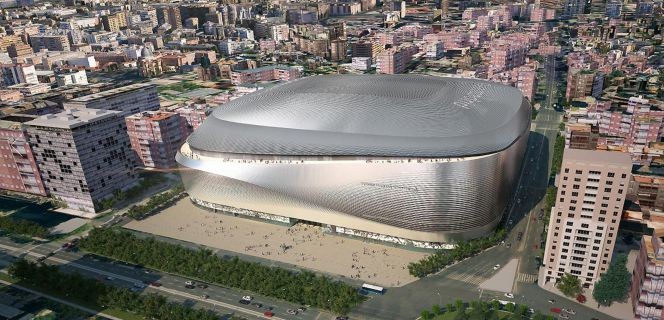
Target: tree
[(569, 285), (436, 310), (425, 314), (614, 284), (460, 307), (510, 307), (449, 307)]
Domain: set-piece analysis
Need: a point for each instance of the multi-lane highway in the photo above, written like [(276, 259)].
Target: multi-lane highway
[(223, 300)]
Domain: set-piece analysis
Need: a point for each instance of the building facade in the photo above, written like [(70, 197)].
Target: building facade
[(592, 187), (647, 289), (156, 136), (292, 152), (18, 168), (83, 156)]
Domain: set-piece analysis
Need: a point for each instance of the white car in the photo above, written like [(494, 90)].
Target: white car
[(189, 283), (247, 298), (509, 295), (496, 267)]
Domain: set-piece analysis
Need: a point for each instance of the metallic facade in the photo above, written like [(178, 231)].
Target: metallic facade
[(405, 185)]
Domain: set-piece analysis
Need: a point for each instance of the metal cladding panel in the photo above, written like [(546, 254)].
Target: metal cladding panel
[(437, 201), (377, 115)]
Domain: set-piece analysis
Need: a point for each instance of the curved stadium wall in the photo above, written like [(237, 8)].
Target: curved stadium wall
[(427, 196)]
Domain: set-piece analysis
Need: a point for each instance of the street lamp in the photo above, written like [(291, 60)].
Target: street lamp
[(440, 300)]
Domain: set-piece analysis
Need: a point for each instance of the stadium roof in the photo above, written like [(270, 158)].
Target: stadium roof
[(369, 115)]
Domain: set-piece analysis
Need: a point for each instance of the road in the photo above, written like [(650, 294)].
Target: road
[(223, 300)]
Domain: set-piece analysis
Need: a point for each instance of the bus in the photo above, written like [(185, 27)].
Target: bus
[(373, 289)]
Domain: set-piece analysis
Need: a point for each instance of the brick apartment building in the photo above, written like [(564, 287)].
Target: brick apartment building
[(18, 168), (647, 289), (156, 137), (267, 73), (395, 60)]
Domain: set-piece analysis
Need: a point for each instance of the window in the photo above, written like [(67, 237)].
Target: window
[(607, 189), (578, 172), (566, 169), (576, 186), (624, 175), (611, 175)]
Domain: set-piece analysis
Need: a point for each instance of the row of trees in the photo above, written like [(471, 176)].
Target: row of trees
[(558, 149), (443, 258), (75, 286), (569, 285), (303, 288), (22, 226), (148, 180), (155, 202), (482, 310)]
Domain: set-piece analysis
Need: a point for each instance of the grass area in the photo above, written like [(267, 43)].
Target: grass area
[(453, 315), (122, 314), (179, 87), (6, 277)]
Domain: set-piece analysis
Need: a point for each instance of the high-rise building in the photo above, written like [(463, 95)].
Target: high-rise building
[(156, 137), (18, 168), (583, 82), (129, 100), (17, 73), (169, 14), (581, 136), (368, 49), (338, 49), (583, 226), (83, 156)]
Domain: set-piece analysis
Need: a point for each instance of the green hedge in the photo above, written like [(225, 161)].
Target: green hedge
[(23, 227)]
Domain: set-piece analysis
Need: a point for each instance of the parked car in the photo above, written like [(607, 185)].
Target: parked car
[(555, 310), (155, 284), (188, 286), (291, 311), (189, 283), (268, 313), (257, 305), (205, 296), (496, 267), (509, 295), (242, 301), (247, 298), (301, 309), (581, 298)]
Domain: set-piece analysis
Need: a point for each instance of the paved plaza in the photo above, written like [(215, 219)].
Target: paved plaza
[(302, 245)]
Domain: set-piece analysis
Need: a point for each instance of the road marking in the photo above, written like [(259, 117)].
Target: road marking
[(527, 277)]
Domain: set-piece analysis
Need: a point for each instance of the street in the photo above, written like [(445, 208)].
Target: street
[(222, 300)]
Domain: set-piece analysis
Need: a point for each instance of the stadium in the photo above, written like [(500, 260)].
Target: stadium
[(410, 159)]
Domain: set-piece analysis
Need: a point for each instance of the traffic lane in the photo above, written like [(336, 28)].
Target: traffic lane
[(177, 282), (121, 275)]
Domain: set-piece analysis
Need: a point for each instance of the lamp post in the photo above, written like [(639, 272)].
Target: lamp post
[(440, 300)]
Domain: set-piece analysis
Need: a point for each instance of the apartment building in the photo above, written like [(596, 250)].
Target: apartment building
[(508, 56), (267, 73), (83, 156), (129, 99), (367, 49), (542, 14), (114, 22), (647, 289), (51, 42), (156, 137), (17, 73), (592, 187), (395, 60), (167, 13), (583, 82), (613, 8), (18, 168), (19, 50), (193, 115), (581, 136)]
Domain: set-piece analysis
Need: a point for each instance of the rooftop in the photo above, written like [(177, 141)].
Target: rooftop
[(369, 115), (113, 92), (598, 157), (71, 118)]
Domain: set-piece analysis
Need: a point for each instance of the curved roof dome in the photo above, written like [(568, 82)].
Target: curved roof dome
[(369, 115)]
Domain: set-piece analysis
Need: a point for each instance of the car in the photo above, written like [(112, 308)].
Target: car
[(555, 310), (189, 283), (109, 278), (570, 311), (257, 305), (301, 309), (247, 298), (139, 285), (202, 285), (563, 316), (291, 311), (508, 245), (188, 286), (581, 298), (268, 313), (509, 295), (496, 267), (155, 284), (205, 296), (519, 236), (242, 301)]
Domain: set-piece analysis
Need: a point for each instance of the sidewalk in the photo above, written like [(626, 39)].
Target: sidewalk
[(620, 310)]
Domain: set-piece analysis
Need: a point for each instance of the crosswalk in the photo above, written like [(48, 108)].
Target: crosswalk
[(527, 277), (467, 278)]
